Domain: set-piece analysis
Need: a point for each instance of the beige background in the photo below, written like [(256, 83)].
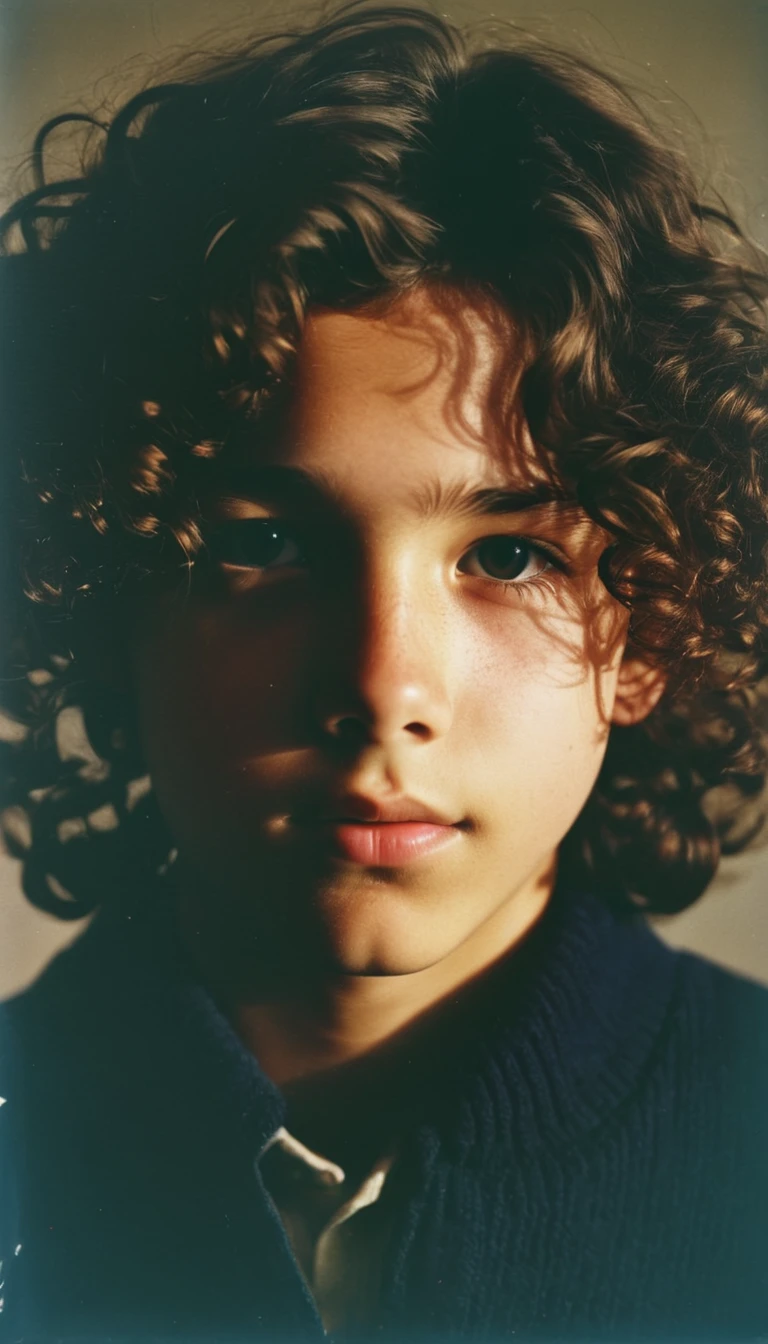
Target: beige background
[(702, 62)]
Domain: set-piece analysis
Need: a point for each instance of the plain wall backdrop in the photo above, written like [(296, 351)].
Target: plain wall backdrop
[(702, 64)]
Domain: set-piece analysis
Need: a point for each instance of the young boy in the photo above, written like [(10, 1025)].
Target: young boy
[(391, 420)]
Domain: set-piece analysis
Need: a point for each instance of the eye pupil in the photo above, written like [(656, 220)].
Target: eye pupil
[(248, 542), (504, 557)]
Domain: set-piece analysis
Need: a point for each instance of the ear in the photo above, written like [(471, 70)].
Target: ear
[(639, 688)]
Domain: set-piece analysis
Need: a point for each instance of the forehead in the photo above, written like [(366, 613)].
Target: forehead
[(415, 351), (412, 394)]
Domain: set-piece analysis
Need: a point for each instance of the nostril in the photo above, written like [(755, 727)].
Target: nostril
[(349, 728), (418, 730), (354, 729)]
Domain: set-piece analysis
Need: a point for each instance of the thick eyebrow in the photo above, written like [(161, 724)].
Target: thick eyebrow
[(435, 500)]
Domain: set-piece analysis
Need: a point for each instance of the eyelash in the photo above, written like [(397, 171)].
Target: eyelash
[(535, 549), (228, 531)]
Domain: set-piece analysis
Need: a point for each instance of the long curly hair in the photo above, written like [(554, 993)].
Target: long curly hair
[(154, 306)]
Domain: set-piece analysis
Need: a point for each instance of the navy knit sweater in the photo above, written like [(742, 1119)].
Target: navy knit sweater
[(588, 1164)]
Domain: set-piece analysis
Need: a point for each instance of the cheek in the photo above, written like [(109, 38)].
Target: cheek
[(210, 695), (535, 716)]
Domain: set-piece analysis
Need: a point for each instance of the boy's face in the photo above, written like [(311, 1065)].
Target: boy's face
[(385, 637)]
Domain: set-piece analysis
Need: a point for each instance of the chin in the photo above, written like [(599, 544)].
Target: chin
[(379, 965), (386, 946), (392, 963)]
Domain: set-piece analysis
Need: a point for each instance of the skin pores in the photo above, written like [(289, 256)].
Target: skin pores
[(370, 636)]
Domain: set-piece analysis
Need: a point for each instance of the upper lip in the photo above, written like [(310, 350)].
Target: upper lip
[(362, 807)]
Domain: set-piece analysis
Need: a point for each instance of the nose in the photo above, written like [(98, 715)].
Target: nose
[(387, 675)]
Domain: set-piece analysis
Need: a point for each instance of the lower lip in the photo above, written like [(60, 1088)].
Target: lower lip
[(385, 844)]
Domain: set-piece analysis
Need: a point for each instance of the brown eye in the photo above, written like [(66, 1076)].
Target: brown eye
[(254, 543), (506, 559)]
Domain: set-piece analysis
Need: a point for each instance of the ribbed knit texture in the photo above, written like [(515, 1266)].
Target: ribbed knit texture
[(589, 1163)]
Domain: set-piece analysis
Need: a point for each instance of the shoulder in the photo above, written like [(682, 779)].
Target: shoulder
[(37, 1028), (42, 1034), (731, 1008), (11, 1055), (11, 1131), (722, 1010), (710, 1063), (674, 1034)]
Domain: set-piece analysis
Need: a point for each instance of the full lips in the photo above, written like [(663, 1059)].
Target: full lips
[(388, 843)]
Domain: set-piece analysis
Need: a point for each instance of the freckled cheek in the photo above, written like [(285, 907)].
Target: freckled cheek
[(514, 668), (529, 720)]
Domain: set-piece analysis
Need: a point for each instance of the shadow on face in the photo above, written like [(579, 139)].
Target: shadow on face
[(398, 600)]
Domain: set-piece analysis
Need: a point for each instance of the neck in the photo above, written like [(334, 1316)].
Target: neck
[(355, 1054), (322, 1026)]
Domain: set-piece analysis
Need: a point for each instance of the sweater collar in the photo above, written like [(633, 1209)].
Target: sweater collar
[(565, 1031)]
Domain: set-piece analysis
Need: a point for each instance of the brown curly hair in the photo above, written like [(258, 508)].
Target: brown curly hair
[(155, 302)]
